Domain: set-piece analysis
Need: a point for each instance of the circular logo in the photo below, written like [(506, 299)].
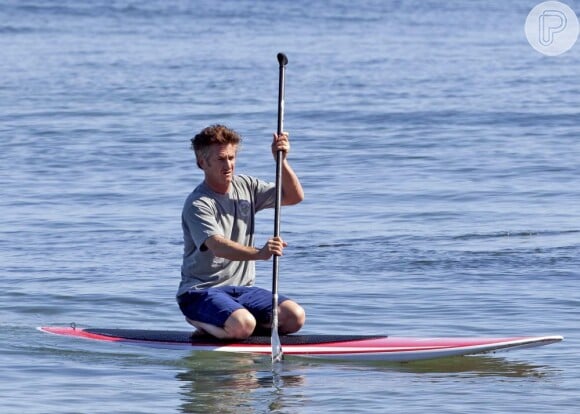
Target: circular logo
[(245, 208), (552, 28)]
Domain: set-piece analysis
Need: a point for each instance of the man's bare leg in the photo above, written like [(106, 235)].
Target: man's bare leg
[(239, 325), (291, 317)]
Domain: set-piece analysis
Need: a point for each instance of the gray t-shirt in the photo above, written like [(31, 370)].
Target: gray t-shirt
[(207, 213)]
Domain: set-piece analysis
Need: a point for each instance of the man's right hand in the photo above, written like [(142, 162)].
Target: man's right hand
[(274, 246)]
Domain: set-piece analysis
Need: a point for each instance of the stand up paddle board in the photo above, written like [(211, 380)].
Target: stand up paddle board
[(340, 347)]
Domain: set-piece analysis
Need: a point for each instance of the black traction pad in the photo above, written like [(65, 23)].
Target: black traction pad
[(187, 337)]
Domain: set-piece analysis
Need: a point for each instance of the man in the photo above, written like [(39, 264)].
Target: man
[(216, 293)]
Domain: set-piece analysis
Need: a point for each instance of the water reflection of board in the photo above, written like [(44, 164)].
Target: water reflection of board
[(343, 347)]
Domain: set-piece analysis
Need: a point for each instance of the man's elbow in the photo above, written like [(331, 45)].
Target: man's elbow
[(294, 199), (217, 245)]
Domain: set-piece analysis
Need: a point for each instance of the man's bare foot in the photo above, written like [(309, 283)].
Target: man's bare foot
[(198, 331)]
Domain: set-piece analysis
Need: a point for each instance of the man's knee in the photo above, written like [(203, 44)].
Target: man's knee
[(240, 324), (292, 317)]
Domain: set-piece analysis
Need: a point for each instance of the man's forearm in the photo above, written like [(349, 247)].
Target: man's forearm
[(228, 249)]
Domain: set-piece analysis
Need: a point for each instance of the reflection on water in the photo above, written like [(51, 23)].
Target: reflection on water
[(228, 383), (475, 365), (236, 383)]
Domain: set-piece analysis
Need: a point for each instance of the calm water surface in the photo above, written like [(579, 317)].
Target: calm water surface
[(439, 154)]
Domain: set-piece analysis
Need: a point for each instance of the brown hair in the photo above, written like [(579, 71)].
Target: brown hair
[(211, 135)]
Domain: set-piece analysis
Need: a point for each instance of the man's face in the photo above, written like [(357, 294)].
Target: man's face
[(219, 166)]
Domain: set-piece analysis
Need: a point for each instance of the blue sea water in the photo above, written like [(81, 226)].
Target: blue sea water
[(440, 158)]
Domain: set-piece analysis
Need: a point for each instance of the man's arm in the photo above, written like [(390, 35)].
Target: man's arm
[(231, 250), (292, 192)]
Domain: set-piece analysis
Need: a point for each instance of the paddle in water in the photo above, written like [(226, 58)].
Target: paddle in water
[(277, 353)]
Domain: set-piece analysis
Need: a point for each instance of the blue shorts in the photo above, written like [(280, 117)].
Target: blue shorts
[(215, 305)]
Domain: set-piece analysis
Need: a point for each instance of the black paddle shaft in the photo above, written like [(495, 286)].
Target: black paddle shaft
[(283, 61)]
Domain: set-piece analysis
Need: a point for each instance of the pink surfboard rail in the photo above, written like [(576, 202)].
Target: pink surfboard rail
[(342, 347)]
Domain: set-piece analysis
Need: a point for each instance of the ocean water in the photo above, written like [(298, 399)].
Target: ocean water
[(440, 158)]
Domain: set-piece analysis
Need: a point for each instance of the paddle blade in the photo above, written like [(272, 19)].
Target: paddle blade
[(277, 354)]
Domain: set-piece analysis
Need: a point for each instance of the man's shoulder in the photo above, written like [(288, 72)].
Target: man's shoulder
[(245, 183), (243, 179), (199, 196), (249, 181)]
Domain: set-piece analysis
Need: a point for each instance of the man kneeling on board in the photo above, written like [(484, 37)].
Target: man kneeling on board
[(216, 293)]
